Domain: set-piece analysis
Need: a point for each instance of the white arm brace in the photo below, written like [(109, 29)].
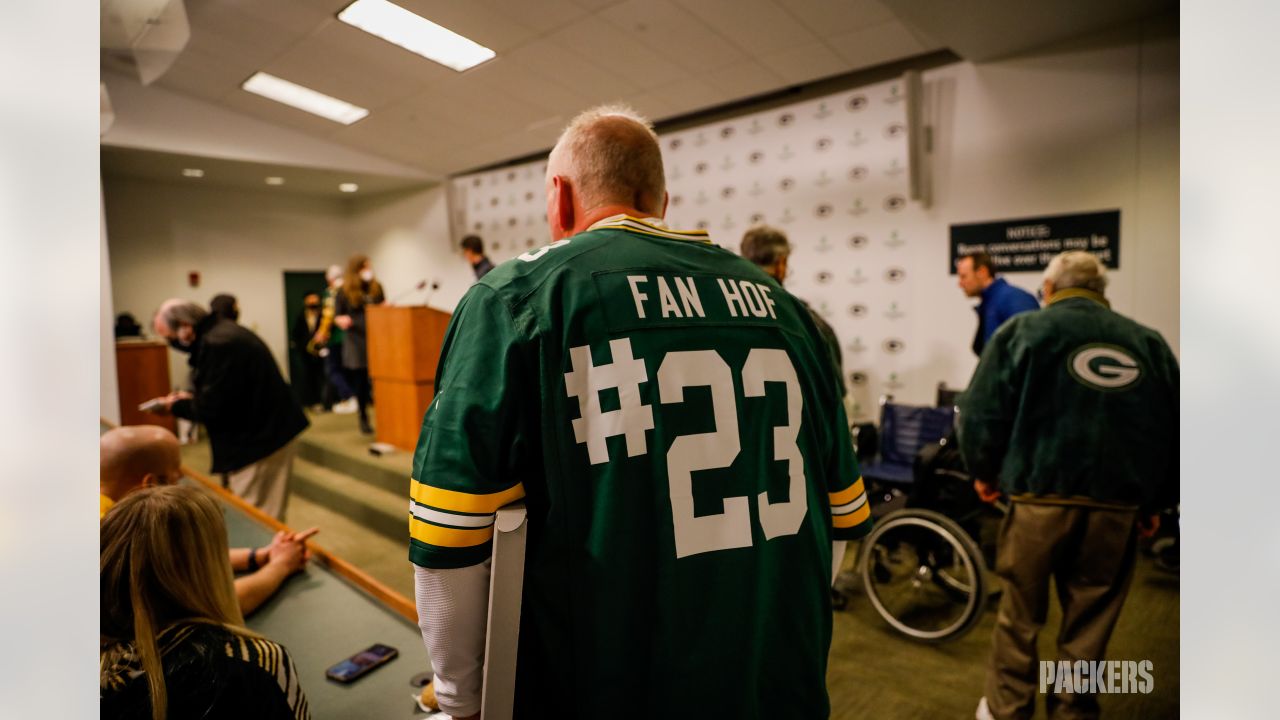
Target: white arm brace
[(453, 610)]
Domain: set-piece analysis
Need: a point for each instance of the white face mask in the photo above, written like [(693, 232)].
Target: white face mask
[(366, 275)]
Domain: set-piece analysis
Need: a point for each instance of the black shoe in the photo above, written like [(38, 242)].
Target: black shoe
[(365, 427)]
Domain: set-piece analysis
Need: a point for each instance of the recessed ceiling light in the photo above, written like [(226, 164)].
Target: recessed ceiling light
[(282, 91), (348, 187), (192, 172), (275, 180), (415, 34)]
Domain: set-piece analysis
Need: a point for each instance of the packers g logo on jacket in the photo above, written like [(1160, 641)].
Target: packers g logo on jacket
[(1103, 367)]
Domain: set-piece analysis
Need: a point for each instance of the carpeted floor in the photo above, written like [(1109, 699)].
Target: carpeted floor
[(873, 672)]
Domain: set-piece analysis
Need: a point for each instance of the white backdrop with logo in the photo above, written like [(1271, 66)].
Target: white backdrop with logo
[(832, 174)]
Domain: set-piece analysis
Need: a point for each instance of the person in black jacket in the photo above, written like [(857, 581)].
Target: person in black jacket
[(240, 397)]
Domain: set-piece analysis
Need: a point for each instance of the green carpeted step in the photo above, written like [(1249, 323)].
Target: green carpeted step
[(381, 510), (334, 442)]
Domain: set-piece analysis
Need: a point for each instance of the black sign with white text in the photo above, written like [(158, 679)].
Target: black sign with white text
[(1028, 244)]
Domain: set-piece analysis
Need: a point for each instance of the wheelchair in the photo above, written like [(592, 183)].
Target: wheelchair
[(924, 566)]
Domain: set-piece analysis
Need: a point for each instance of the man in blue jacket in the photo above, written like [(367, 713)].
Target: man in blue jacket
[(1000, 300)]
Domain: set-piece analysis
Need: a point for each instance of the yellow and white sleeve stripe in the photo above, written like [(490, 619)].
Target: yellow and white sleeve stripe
[(849, 507), (453, 519)]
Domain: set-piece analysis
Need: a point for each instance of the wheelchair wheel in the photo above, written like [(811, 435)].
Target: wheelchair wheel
[(924, 575)]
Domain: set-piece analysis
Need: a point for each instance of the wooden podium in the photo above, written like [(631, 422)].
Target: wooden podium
[(404, 347), (142, 373)]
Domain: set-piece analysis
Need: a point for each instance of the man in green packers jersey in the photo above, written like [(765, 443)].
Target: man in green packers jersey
[(670, 417)]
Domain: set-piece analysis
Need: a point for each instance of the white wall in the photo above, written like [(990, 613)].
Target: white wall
[(108, 388), (239, 241), (1091, 125), (406, 236)]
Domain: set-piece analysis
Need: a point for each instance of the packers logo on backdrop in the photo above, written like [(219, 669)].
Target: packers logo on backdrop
[(1104, 367)]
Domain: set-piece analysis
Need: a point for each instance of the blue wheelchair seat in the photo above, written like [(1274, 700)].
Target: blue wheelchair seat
[(904, 430)]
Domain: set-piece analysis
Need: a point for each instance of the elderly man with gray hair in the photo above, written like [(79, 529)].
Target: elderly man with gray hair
[(1072, 414), (769, 248), (241, 399)]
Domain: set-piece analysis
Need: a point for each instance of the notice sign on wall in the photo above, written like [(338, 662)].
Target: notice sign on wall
[(1028, 244)]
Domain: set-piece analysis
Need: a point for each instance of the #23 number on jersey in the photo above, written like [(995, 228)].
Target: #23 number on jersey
[(701, 451)]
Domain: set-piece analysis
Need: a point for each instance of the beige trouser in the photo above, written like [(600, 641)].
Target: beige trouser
[(265, 484), (1089, 552)]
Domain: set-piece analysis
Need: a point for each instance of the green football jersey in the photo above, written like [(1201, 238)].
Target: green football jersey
[(670, 417)]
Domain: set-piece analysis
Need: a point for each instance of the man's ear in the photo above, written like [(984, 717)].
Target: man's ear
[(151, 480), (565, 214), (666, 202)]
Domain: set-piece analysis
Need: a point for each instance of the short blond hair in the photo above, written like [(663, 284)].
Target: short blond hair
[(1077, 269), (611, 155)]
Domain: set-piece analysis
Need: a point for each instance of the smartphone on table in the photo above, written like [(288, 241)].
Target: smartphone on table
[(362, 663)]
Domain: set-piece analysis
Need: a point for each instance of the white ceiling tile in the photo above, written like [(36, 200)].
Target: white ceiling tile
[(874, 46), (278, 113), (675, 33), (570, 69), (826, 18), (355, 66), (691, 94), (743, 79), (542, 17), (617, 52), (519, 81), (206, 76), (755, 26), (804, 63)]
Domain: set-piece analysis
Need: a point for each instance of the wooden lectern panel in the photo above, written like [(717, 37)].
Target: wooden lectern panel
[(142, 373), (398, 407), (404, 347), (404, 342)]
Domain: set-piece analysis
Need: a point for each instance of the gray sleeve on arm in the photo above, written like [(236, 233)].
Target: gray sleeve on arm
[(453, 610)]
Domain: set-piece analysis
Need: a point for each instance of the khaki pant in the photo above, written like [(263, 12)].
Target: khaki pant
[(1089, 552), (265, 484)]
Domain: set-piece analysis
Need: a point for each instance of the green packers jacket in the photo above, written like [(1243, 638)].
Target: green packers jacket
[(1075, 404)]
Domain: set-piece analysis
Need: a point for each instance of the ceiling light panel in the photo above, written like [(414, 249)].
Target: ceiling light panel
[(303, 98), (415, 34)]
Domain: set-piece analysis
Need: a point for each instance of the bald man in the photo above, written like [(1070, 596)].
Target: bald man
[(671, 419), (135, 456), (138, 456)]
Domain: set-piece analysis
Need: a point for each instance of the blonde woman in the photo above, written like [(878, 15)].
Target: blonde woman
[(173, 642)]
